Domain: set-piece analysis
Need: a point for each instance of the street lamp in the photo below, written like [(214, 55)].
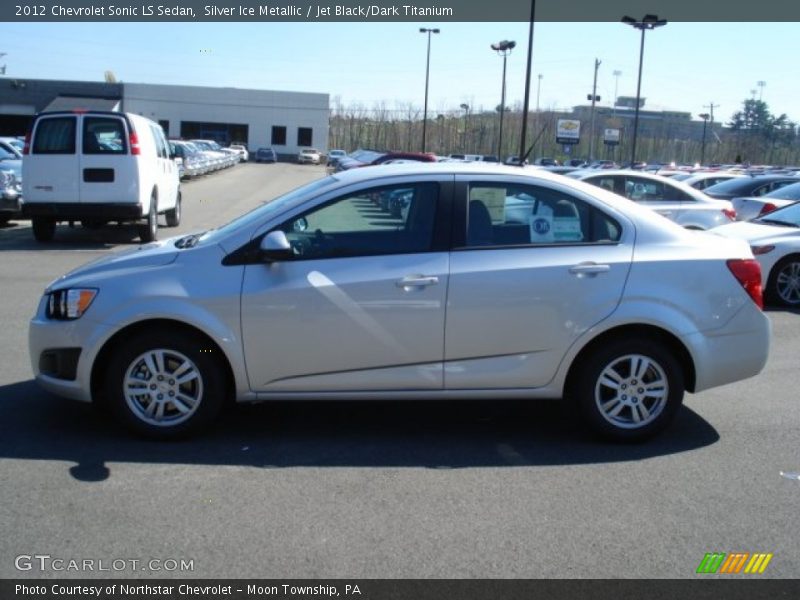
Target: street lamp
[(616, 87), (502, 48), (648, 22), (427, 76), (465, 108), (705, 117)]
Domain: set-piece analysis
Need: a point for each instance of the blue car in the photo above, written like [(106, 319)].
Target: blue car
[(266, 155)]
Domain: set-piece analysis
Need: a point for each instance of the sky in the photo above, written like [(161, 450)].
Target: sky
[(687, 66)]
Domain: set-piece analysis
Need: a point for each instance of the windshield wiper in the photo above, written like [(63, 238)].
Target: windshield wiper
[(777, 222), (188, 241)]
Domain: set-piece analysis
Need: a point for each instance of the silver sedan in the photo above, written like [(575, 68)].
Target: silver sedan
[(319, 294)]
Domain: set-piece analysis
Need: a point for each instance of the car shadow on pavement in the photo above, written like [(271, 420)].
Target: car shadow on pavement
[(17, 236), (35, 425)]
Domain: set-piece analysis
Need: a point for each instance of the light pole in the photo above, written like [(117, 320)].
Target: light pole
[(427, 76), (647, 22), (616, 87), (502, 48), (465, 108), (705, 117), (761, 85)]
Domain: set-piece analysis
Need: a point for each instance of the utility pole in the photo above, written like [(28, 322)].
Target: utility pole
[(709, 117), (594, 98), (761, 85), (711, 106), (616, 87), (3, 68)]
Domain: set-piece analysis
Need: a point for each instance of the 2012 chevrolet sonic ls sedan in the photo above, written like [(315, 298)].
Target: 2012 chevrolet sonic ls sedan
[(491, 282)]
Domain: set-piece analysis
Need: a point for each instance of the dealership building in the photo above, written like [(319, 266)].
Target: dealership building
[(286, 121)]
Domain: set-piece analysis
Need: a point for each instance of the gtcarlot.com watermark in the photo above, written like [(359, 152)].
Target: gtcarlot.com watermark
[(48, 563)]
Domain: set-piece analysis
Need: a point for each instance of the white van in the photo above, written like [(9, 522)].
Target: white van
[(96, 167)]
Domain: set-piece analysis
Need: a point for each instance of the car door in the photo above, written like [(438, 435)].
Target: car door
[(521, 293), (108, 172), (50, 173), (361, 304)]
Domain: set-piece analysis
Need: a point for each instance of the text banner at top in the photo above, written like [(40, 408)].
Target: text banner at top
[(401, 10)]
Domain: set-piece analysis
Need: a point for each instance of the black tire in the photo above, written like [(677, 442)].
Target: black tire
[(4, 219), (174, 214), (148, 231), (43, 229), (654, 396), (130, 404), (780, 289)]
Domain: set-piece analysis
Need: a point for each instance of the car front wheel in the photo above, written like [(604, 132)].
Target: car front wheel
[(165, 384), (629, 390), (783, 286)]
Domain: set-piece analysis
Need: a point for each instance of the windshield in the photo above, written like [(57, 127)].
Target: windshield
[(788, 192), (269, 208), (366, 156), (788, 215)]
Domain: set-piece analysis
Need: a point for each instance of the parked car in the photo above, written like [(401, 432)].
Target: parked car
[(334, 156), (748, 208), (702, 181), (11, 147), (310, 296), (364, 158), (309, 156), (95, 167), (195, 163), (221, 158), (775, 242), (672, 199), (242, 150), (266, 155), (546, 161), (748, 186), (10, 194)]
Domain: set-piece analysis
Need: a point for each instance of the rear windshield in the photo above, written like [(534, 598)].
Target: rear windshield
[(55, 136), (103, 135)]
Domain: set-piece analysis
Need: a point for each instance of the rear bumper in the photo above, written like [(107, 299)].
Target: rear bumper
[(76, 210)]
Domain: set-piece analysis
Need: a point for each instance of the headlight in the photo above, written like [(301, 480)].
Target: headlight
[(758, 250), (69, 304)]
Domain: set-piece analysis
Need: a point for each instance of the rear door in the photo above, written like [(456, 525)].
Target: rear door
[(108, 172), (167, 170), (50, 170)]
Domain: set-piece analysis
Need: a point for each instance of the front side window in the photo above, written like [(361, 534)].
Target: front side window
[(512, 215), (55, 136), (102, 135), (386, 220)]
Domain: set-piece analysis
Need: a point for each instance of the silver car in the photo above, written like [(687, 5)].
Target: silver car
[(310, 296), (672, 199)]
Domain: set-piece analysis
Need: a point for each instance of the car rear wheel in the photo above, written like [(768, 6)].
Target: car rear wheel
[(43, 229), (783, 286), (165, 384), (629, 389), (174, 215), (148, 231)]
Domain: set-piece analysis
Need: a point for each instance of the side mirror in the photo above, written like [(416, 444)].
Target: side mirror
[(274, 246)]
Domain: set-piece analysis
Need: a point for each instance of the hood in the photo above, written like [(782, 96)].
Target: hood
[(155, 254), (752, 231)]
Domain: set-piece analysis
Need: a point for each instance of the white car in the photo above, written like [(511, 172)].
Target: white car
[(96, 167), (775, 242), (309, 156), (242, 150), (751, 207), (701, 181), (312, 296), (674, 200)]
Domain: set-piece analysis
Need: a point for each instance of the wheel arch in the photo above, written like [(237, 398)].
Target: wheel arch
[(104, 355), (652, 332)]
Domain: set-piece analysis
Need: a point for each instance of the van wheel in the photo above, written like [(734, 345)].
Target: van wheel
[(43, 229), (174, 215), (148, 231)]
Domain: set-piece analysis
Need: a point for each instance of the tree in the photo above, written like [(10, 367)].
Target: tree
[(759, 133)]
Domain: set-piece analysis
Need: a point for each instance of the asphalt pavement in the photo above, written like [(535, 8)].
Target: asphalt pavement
[(387, 490)]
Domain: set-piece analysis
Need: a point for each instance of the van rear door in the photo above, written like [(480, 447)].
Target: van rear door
[(49, 171), (108, 172)]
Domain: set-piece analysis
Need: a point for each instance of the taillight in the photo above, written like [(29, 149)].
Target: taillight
[(133, 140), (748, 272), (730, 213), (26, 149), (767, 208)]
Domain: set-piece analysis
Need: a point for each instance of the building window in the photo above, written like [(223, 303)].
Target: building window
[(278, 135), (164, 125), (304, 136)]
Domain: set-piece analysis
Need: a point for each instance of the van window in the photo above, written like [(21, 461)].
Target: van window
[(55, 136), (103, 135)]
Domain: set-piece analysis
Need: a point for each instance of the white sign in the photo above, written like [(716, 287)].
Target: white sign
[(611, 136), (568, 131)]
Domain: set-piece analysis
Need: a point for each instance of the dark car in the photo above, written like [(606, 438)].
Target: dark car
[(10, 189), (266, 155), (748, 186), (363, 158)]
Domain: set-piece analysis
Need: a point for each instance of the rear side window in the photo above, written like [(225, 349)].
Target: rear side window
[(55, 136), (103, 135)]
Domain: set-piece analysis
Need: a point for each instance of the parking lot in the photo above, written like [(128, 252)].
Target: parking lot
[(396, 489)]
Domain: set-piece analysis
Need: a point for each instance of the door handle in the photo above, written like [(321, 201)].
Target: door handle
[(589, 268), (416, 281)]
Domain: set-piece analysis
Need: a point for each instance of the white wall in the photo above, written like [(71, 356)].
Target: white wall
[(259, 109)]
